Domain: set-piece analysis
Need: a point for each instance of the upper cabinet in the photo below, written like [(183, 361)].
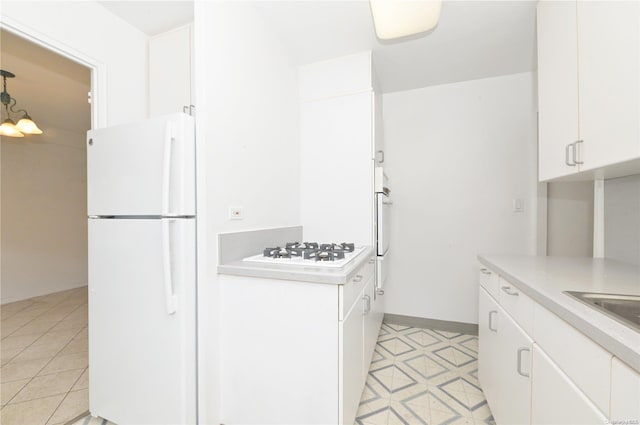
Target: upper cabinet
[(170, 71), (588, 89)]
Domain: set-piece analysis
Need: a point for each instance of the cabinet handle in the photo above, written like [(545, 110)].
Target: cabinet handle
[(566, 154), (358, 278), (575, 152), (507, 290), (491, 328), (367, 300), (372, 260), (380, 291), (485, 271), (381, 157), (520, 351)]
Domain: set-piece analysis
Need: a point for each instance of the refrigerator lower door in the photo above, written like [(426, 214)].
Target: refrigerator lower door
[(142, 320)]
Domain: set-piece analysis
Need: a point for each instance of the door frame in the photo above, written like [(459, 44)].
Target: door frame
[(98, 70)]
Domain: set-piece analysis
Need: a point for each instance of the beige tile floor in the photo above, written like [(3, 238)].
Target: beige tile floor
[(44, 354)]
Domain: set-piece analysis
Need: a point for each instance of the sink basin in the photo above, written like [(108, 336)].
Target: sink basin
[(624, 308)]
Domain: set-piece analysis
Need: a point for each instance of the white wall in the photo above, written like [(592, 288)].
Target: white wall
[(247, 131), (622, 219), (456, 156), (570, 219), (44, 214), (88, 30)]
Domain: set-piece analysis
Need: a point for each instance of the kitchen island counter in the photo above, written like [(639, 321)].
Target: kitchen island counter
[(544, 279)]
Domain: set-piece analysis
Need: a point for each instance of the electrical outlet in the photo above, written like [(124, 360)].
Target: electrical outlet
[(235, 213)]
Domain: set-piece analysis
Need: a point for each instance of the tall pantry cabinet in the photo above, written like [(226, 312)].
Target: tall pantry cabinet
[(588, 87), (340, 138), (340, 116)]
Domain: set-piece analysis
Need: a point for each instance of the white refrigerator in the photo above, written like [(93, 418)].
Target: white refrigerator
[(142, 271)]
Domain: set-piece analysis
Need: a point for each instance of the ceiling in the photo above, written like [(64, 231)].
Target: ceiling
[(474, 39), (52, 88), (152, 17)]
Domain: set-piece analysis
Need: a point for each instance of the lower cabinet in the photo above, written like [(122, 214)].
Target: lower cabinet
[(504, 363), (351, 379), (295, 352), (514, 373), (625, 393), (553, 375), (556, 399), (488, 354)]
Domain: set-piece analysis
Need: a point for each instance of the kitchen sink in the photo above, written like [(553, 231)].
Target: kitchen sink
[(624, 308)]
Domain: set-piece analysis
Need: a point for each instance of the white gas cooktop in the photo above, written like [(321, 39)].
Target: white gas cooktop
[(299, 261)]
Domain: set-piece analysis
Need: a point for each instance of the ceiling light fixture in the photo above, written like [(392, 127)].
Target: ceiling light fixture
[(9, 128), (401, 18)]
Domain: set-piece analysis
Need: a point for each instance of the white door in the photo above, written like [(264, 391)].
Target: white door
[(609, 63), (513, 368), (556, 399), (145, 168), (488, 346), (557, 88), (142, 320)]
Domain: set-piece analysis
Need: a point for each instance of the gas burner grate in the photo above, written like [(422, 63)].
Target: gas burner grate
[(277, 252)]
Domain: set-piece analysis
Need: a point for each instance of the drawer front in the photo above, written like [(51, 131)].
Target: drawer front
[(586, 363), (350, 292), (517, 304), (488, 280)]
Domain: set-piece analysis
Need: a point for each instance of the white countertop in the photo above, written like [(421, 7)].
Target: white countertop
[(304, 273), (545, 278)]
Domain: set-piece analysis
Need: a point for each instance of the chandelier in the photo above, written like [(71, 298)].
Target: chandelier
[(9, 128)]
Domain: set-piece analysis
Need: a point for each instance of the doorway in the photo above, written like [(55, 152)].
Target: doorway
[(43, 237)]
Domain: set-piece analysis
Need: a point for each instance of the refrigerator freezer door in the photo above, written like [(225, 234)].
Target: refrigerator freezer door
[(142, 323), (145, 168)]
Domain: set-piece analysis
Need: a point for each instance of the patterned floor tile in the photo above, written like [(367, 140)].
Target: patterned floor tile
[(423, 376)]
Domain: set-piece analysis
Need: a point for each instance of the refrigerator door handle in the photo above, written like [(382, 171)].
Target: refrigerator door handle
[(166, 265), (166, 167)]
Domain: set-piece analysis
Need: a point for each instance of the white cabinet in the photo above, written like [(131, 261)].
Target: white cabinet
[(336, 144), (351, 379), (488, 346), (514, 385), (557, 88), (504, 363), (625, 393), (588, 86), (372, 320), (170, 71), (608, 78), (312, 341), (556, 399)]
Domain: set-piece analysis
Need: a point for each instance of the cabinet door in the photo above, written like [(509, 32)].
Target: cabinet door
[(350, 371), (170, 71), (336, 141), (513, 373), (488, 358), (556, 399), (371, 325), (625, 392), (609, 64), (557, 87)]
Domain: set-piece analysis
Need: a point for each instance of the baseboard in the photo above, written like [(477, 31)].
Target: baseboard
[(41, 292), (440, 325)]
